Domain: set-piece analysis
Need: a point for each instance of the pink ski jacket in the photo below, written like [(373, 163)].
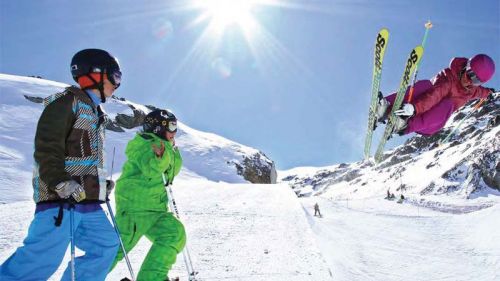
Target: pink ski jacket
[(447, 85)]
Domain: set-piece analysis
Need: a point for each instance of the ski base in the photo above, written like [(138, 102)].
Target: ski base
[(380, 47)]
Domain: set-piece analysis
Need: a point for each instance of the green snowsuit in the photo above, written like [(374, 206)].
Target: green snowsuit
[(141, 205)]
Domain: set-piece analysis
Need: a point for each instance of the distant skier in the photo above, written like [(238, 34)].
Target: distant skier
[(316, 210), (434, 101), (141, 198), (401, 199), (69, 179), (390, 196)]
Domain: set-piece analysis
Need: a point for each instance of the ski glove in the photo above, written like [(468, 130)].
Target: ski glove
[(158, 151), (491, 96), (71, 188), (407, 110), (110, 185)]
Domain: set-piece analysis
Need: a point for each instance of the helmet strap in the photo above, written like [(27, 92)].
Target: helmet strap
[(97, 85), (101, 88)]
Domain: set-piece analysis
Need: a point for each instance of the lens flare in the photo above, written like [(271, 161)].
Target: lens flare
[(222, 67)]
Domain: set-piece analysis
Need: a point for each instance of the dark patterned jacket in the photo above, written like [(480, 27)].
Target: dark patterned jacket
[(69, 145)]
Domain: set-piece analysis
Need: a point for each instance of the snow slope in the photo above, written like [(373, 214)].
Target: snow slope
[(240, 231), (211, 156), (235, 232), (376, 239)]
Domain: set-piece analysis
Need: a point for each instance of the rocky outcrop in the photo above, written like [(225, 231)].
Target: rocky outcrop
[(34, 99), (322, 179), (130, 121), (257, 168)]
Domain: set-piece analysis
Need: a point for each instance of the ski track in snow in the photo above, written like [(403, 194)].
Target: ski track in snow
[(249, 232), (235, 232), (394, 243)]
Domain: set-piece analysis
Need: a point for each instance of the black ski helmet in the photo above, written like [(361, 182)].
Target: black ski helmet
[(89, 61), (92, 61), (159, 122)]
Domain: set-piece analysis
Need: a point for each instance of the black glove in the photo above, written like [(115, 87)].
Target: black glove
[(491, 96), (110, 185)]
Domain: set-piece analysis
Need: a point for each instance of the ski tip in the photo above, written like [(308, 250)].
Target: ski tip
[(384, 31)]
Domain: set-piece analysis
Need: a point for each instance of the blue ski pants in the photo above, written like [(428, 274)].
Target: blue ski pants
[(46, 244)]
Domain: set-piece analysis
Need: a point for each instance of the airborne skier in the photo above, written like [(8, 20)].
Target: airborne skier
[(435, 101)]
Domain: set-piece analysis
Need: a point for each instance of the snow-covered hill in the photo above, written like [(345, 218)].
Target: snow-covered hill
[(235, 229), (242, 231), (205, 154), (460, 175)]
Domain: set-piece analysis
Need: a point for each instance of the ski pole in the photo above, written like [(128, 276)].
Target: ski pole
[(72, 239), (110, 210), (185, 252), (445, 140), (428, 26), (121, 241)]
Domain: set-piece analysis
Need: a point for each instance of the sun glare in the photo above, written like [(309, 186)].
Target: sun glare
[(226, 12), (222, 14), (214, 46)]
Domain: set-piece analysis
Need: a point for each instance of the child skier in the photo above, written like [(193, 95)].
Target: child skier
[(434, 101), (141, 198), (69, 181)]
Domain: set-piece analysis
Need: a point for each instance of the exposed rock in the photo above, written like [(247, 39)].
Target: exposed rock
[(130, 122), (113, 126), (34, 99), (257, 169), (324, 178)]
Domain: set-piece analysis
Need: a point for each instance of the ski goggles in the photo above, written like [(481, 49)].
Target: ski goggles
[(170, 126), (115, 77), (472, 76)]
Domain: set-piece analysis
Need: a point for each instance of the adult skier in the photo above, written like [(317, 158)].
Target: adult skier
[(69, 181), (316, 210), (434, 101), (141, 198)]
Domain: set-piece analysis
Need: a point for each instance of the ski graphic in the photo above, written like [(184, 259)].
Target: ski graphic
[(380, 46), (411, 65)]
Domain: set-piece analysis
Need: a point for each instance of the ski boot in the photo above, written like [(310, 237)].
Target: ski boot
[(400, 125), (382, 106), (381, 112)]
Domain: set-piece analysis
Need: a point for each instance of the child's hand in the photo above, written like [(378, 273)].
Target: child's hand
[(158, 150)]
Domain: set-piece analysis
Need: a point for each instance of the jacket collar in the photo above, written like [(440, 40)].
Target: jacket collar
[(80, 93)]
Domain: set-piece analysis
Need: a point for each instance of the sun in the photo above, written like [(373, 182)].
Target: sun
[(224, 13), (229, 11)]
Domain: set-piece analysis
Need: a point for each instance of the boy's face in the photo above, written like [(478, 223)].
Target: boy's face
[(169, 135), (109, 88)]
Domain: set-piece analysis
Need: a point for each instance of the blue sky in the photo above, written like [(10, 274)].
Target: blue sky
[(297, 88)]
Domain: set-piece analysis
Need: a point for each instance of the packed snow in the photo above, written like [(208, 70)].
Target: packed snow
[(242, 231)]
